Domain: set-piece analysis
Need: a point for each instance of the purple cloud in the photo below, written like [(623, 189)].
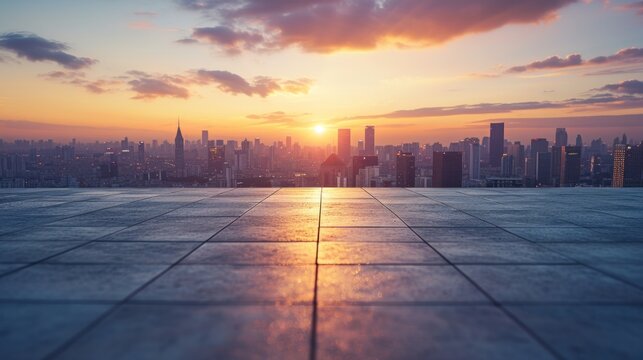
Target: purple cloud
[(148, 86), (630, 87), (262, 85), (78, 78), (332, 25), (231, 41), (553, 62), (34, 48)]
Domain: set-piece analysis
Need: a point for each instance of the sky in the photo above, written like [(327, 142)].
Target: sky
[(419, 70)]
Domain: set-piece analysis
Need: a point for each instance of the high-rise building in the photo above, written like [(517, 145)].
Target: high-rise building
[(474, 161), (360, 147), (369, 137), (556, 164), (332, 172), (570, 162), (496, 143), (204, 138), (579, 141), (405, 169), (517, 150), (447, 169), (141, 152), (344, 145), (361, 162), (507, 165), (537, 146), (543, 168), (288, 143), (179, 153), (561, 137), (216, 160), (627, 165)]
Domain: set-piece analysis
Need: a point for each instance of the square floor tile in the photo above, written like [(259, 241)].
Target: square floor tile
[(377, 253), (293, 253)]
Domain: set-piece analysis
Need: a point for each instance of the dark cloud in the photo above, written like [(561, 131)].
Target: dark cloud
[(630, 55), (148, 86), (624, 57), (332, 25), (231, 41), (553, 62), (601, 100), (630, 87), (262, 85), (34, 48)]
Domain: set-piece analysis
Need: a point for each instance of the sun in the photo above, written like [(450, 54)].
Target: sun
[(319, 129)]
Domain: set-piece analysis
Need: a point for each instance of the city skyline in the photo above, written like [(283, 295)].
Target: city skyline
[(103, 71)]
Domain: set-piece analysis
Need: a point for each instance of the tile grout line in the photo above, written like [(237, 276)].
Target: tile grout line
[(542, 245), (494, 302), (60, 349), (32, 263), (313, 323)]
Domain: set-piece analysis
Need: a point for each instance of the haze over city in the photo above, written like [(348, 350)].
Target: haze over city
[(422, 71)]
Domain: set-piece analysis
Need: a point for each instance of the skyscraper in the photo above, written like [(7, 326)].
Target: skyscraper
[(579, 141), (618, 176), (369, 136), (570, 166), (447, 169), (332, 172), (506, 165), (179, 153), (344, 145), (627, 165), (288, 143), (204, 138), (361, 162), (405, 169), (556, 164), (141, 152), (474, 161), (543, 168), (496, 143), (561, 137)]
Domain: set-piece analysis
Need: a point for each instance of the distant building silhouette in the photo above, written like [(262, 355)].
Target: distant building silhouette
[(369, 138), (561, 137), (344, 145), (543, 168), (405, 169), (141, 152), (627, 165), (447, 169), (361, 162), (179, 153), (496, 143), (205, 138), (570, 162), (556, 164), (474, 161), (332, 172)]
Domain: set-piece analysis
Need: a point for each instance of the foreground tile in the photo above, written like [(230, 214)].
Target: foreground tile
[(550, 283), (293, 232), (498, 253), (377, 253), (633, 273), (32, 251), (620, 253), (394, 283), (465, 234), (421, 332), (76, 282), (223, 283), (294, 253), (126, 253), (173, 229), (587, 332), (368, 234), (558, 234), (67, 233), (198, 332), (32, 331)]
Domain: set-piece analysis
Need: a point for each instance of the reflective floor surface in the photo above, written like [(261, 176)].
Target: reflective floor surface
[(321, 274)]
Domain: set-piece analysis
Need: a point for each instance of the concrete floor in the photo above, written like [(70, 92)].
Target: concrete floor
[(332, 274)]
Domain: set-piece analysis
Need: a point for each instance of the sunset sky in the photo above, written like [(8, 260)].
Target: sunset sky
[(419, 70)]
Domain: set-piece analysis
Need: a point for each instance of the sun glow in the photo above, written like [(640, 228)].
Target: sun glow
[(319, 129)]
